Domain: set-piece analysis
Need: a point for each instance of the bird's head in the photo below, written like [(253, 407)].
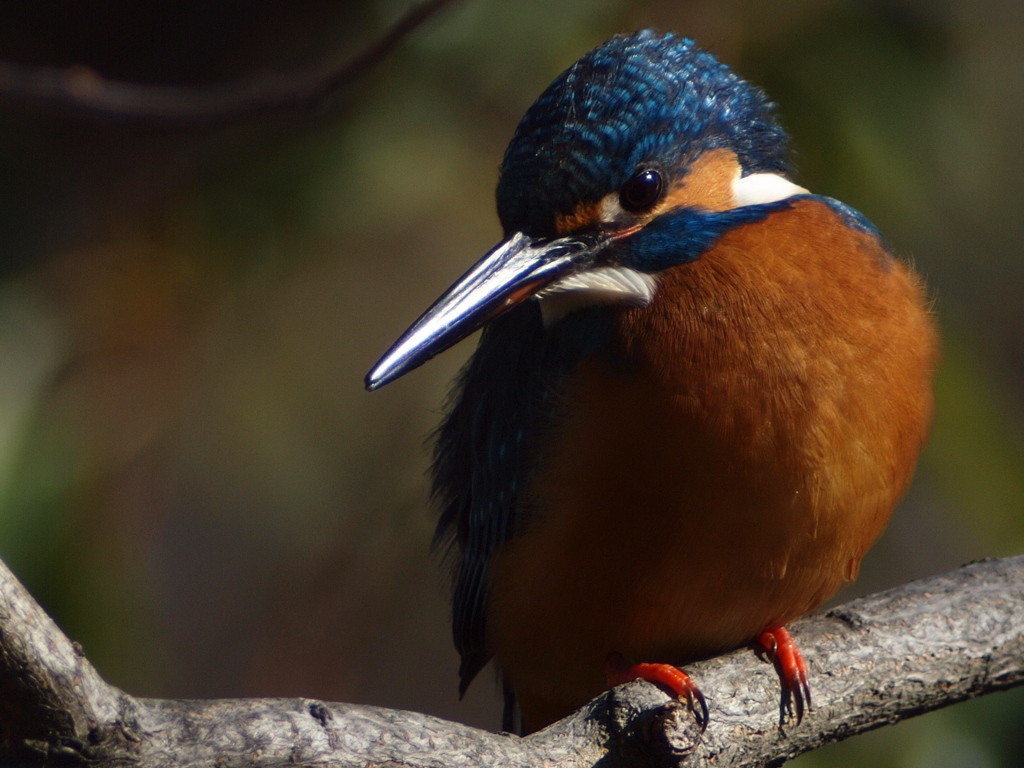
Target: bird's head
[(634, 159)]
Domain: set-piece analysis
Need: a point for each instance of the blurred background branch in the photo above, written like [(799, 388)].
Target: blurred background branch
[(79, 89)]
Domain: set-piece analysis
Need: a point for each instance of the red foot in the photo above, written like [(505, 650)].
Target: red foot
[(619, 671), (781, 649)]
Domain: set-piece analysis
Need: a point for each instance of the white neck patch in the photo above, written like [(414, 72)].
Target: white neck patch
[(759, 188)]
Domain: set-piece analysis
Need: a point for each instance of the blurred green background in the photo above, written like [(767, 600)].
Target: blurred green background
[(192, 479)]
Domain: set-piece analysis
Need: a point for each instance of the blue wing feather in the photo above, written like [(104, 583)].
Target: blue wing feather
[(489, 445)]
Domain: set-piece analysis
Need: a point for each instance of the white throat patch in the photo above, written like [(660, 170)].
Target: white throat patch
[(602, 285)]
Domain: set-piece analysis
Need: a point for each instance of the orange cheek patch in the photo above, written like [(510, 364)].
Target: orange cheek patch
[(586, 214), (707, 184)]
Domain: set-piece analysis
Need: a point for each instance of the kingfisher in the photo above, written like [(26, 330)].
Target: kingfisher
[(699, 392)]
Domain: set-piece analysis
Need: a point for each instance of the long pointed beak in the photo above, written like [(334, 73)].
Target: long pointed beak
[(511, 273)]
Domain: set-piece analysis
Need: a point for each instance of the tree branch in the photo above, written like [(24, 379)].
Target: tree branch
[(82, 91), (873, 661)]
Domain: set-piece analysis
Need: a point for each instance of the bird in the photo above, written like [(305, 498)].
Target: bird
[(698, 394)]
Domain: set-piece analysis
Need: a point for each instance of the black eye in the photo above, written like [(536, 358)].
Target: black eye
[(640, 193)]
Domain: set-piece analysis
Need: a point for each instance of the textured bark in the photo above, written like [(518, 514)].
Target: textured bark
[(873, 661)]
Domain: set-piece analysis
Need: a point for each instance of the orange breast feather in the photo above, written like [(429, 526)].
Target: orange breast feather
[(728, 464)]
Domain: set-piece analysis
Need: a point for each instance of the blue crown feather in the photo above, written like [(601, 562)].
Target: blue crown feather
[(638, 99)]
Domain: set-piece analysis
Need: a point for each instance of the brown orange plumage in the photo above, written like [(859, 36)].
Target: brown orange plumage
[(732, 473)]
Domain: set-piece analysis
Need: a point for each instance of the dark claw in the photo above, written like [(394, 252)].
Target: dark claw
[(705, 714)]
